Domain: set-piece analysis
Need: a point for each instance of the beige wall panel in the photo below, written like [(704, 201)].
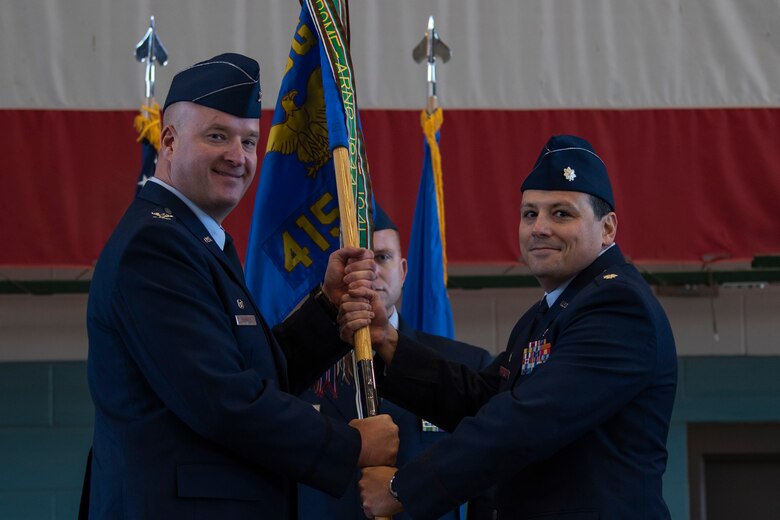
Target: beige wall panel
[(474, 316), (485, 317), (36, 328), (692, 323), (762, 322), (43, 328)]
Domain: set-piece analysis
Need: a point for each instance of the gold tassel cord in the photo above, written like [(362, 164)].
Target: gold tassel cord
[(148, 125), (431, 123)]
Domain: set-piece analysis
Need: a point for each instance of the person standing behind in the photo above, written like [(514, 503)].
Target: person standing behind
[(336, 395), (195, 415), (572, 419)]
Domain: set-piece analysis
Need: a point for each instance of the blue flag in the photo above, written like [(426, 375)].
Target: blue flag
[(426, 305), (295, 224), (148, 164), (147, 124)]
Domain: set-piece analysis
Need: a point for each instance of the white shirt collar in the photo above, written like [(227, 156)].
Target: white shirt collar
[(393, 318), (553, 295)]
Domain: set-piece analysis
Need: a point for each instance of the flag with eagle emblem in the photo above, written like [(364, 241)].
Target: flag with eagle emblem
[(295, 224)]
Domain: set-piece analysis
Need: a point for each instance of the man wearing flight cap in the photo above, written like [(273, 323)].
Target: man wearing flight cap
[(571, 420), (194, 412), (335, 395)]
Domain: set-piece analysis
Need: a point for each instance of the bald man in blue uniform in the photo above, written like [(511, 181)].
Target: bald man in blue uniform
[(195, 413), (571, 421)]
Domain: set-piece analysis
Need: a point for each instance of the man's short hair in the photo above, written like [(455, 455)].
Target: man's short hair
[(600, 207)]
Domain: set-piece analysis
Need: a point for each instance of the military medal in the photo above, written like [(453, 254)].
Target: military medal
[(536, 353)]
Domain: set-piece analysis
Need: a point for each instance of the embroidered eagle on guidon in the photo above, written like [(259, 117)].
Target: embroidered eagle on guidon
[(304, 130)]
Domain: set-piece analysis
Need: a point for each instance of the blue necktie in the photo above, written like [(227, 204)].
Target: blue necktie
[(231, 254), (541, 310)]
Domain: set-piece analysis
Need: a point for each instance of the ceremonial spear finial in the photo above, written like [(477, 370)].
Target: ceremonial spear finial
[(430, 48), (150, 50)]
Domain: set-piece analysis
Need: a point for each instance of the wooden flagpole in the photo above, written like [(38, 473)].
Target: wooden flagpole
[(349, 233), (335, 36), (364, 378)]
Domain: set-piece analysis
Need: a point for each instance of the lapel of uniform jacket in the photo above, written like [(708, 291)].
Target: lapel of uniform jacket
[(404, 327), (586, 276), (162, 197), (611, 257), (159, 195)]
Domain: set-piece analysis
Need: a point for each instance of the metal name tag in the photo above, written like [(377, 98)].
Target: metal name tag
[(246, 320)]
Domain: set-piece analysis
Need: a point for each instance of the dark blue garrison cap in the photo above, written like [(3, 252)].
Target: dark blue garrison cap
[(229, 83), (568, 163), (382, 220)]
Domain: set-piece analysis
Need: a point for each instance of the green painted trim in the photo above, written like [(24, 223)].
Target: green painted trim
[(717, 277), (674, 279), (766, 261), (491, 281), (681, 278)]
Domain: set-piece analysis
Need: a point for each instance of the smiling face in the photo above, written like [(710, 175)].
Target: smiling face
[(391, 267), (208, 155), (560, 235)]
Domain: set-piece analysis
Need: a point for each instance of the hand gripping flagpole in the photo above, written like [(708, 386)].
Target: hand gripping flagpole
[(369, 398)]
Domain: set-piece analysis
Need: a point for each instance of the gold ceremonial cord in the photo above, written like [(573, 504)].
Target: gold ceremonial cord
[(148, 125), (431, 123)]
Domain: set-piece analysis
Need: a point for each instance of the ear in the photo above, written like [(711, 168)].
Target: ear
[(168, 137), (608, 229), (404, 268)]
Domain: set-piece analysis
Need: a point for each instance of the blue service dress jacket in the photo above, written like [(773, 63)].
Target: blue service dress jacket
[(194, 416), (570, 422), (315, 505)]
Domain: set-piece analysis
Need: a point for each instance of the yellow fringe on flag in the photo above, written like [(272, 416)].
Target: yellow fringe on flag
[(431, 123), (148, 125)]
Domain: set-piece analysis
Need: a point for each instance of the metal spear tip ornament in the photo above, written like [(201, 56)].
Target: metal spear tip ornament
[(150, 50), (148, 122), (430, 48)]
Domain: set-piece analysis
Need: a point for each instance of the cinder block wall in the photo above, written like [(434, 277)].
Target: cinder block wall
[(46, 419)]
